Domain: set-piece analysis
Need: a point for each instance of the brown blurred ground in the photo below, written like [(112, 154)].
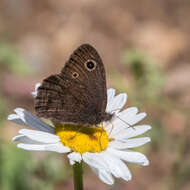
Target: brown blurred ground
[(46, 32)]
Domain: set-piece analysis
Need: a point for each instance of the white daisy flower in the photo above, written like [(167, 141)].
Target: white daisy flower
[(104, 149)]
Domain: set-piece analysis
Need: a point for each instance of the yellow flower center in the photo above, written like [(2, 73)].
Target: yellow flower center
[(82, 138)]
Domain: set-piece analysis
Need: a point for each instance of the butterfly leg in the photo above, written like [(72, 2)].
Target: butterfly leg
[(76, 133), (100, 136), (111, 128)]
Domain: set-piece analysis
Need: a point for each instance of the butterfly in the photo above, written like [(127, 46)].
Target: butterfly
[(78, 94)]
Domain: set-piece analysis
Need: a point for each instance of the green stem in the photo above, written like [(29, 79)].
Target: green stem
[(77, 176)]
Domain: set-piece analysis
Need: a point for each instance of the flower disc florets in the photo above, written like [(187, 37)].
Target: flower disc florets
[(82, 138)]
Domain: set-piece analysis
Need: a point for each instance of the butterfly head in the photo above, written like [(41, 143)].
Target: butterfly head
[(100, 117)]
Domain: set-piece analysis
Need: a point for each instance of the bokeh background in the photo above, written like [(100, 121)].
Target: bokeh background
[(145, 46)]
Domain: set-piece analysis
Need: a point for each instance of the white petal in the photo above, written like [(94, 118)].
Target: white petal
[(105, 176), (74, 157), (44, 147), (31, 147), (130, 143), (24, 139), (130, 156), (131, 132), (130, 116), (136, 118), (110, 96), (95, 160), (16, 119), (107, 162), (34, 93), (119, 121), (117, 167), (23, 117), (117, 103), (39, 136), (126, 119), (128, 112), (58, 147)]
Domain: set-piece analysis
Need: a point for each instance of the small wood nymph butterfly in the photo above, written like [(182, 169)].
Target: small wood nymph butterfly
[(77, 95)]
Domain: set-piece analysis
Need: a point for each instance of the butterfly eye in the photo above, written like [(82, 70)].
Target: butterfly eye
[(75, 75), (90, 65)]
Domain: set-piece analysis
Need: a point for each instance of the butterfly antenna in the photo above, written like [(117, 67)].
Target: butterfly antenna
[(100, 137), (125, 122), (122, 119)]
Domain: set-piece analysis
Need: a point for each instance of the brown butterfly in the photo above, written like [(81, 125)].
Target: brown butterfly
[(78, 94)]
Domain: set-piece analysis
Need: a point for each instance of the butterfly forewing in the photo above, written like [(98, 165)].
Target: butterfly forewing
[(78, 94)]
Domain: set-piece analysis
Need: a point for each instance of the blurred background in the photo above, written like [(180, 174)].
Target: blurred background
[(145, 48)]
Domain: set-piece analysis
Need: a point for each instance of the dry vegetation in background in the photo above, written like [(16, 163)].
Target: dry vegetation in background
[(145, 46)]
